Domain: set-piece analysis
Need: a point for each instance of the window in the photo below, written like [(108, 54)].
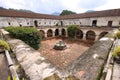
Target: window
[(28, 23), (80, 22), (109, 23), (9, 23), (94, 23)]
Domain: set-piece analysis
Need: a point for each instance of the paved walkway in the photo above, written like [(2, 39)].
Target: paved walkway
[(3, 68)]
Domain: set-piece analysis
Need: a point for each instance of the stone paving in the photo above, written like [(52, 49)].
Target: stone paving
[(62, 58)]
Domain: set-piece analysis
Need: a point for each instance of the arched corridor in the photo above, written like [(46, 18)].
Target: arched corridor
[(42, 33), (49, 33), (90, 35), (79, 34), (102, 34), (63, 32), (57, 32)]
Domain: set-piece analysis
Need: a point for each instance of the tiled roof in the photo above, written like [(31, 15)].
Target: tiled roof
[(105, 13), (14, 13)]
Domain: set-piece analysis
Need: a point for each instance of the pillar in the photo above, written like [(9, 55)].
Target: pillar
[(66, 33), (84, 36), (45, 35), (53, 34), (60, 33), (96, 37)]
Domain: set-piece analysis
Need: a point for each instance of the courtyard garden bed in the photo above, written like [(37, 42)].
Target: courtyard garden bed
[(28, 35)]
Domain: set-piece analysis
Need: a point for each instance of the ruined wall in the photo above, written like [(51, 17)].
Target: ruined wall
[(101, 21), (10, 21)]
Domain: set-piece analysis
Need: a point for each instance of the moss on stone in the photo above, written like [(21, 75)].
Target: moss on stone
[(71, 78), (53, 77)]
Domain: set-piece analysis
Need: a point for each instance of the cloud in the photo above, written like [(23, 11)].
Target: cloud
[(50, 6), (111, 4), (91, 4)]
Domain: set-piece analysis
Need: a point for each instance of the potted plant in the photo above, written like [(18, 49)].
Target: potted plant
[(116, 54)]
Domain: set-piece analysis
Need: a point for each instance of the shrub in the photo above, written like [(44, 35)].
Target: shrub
[(117, 35), (116, 51), (28, 35), (4, 44), (72, 29)]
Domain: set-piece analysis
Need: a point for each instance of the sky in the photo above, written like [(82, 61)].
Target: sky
[(51, 6)]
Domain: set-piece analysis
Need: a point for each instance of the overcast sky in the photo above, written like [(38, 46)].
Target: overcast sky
[(50, 6)]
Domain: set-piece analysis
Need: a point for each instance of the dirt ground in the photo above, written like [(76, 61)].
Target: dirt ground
[(62, 58)]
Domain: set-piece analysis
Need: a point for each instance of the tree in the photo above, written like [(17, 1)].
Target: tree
[(66, 12), (72, 29)]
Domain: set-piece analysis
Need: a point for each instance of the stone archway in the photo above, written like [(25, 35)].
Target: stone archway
[(79, 34), (90, 35), (42, 34), (49, 33), (102, 34), (57, 32), (63, 32), (36, 23)]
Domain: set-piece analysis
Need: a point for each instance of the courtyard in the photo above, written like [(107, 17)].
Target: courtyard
[(62, 58)]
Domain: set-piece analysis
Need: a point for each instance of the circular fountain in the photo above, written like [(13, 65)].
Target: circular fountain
[(60, 46)]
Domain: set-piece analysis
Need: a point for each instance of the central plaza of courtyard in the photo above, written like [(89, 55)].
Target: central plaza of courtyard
[(62, 58)]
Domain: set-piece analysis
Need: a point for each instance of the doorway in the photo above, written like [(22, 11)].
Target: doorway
[(109, 23), (36, 23)]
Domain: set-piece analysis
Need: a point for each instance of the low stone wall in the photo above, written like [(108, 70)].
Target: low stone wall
[(34, 64)]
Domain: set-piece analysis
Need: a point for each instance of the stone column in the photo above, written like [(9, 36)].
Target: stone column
[(60, 33), (84, 36), (66, 33), (96, 37), (45, 35), (53, 34)]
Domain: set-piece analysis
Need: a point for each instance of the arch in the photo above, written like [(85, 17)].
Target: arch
[(79, 34), (42, 34), (49, 33), (56, 32), (90, 35), (36, 23), (63, 32), (102, 34)]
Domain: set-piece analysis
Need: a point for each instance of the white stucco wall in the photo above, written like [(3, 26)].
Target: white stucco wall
[(10, 21), (101, 21)]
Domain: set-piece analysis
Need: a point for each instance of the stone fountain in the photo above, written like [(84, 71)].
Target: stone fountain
[(60, 46)]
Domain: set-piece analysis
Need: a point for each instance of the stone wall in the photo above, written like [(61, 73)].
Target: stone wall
[(10, 21), (87, 66), (101, 21)]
